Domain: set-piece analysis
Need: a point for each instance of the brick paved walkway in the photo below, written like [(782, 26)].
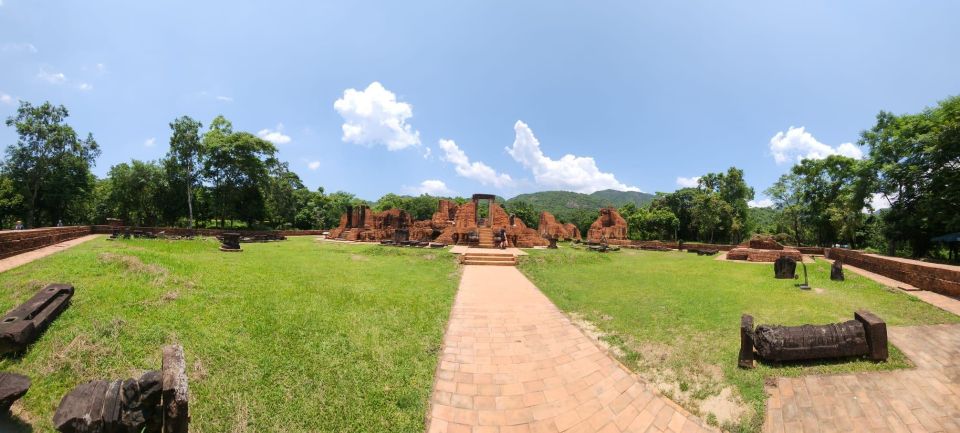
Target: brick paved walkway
[(925, 399), (512, 362)]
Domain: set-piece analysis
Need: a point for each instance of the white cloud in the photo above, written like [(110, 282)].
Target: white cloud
[(275, 136), (11, 47), (475, 170), (313, 165), (798, 144), (52, 77), (6, 99), (374, 116), (432, 187), (573, 173), (879, 201), (150, 142), (224, 98), (688, 182), (427, 153), (766, 202), (85, 87)]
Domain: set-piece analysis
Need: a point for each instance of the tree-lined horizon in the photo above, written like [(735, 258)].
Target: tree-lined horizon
[(219, 177)]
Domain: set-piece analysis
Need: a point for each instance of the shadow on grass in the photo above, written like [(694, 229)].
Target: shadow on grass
[(773, 365), (10, 423)]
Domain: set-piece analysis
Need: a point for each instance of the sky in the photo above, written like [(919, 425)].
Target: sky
[(456, 98)]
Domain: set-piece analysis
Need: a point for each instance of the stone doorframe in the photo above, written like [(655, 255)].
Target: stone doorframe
[(490, 199)]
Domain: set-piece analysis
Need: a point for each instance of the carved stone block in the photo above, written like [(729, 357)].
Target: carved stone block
[(24, 324), (876, 333), (12, 387), (746, 341), (176, 412), (836, 271), (785, 268)]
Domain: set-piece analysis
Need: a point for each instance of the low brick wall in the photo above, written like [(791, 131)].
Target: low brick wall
[(182, 231), (13, 242), (810, 250), (927, 276)]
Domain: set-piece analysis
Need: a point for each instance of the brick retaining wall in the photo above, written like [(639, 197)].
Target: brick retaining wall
[(927, 276), (13, 242), (181, 231)]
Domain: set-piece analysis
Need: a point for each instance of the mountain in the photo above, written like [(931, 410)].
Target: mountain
[(580, 208)]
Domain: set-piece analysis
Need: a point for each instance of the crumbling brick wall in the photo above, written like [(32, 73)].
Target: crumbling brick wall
[(943, 279), (13, 242), (609, 226), (550, 228)]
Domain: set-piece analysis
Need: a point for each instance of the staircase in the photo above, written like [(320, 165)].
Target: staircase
[(486, 237), (500, 259)]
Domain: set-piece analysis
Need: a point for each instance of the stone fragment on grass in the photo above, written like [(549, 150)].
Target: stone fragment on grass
[(785, 268), (12, 387), (23, 325), (836, 271), (176, 414)]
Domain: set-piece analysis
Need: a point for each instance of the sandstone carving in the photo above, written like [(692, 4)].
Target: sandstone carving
[(836, 271), (865, 336), (157, 402), (785, 268), (12, 387), (609, 226), (24, 324)]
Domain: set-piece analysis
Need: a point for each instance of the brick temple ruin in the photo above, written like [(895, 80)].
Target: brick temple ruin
[(609, 228), (763, 249), (549, 228), (475, 223)]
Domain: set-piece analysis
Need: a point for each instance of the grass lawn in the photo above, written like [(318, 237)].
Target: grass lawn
[(674, 318), (293, 336)]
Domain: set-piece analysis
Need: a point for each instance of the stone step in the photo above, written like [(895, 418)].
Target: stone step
[(491, 258), (488, 263)]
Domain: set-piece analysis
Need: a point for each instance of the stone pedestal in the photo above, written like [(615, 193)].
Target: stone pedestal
[(230, 242)]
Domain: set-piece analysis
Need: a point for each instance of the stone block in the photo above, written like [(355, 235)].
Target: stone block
[(23, 325), (12, 387), (175, 395), (785, 268), (836, 271), (876, 334), (746, 341)]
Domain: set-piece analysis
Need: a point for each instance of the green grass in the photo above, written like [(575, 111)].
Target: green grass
[(294, 336), (674, 317)]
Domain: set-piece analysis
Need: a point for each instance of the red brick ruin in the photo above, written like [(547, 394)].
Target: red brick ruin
[(450, 224), (609, 228), (762, 249), (549, 228)]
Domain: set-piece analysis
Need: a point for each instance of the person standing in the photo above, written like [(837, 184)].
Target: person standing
[(503, 238), (19, 225)]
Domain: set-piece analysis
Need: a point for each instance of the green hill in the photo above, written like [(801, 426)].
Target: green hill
[(580, 209)]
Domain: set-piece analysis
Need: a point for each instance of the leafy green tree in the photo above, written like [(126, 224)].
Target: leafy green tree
[(10, 202), (237, 165), (186, 156), (525, 212), (282, 203), (49, 166), (135, 192)]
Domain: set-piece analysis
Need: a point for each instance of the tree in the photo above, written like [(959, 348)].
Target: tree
[(237, 165), (49, 165), (10, 201), (185, 155), (526, 213), (281, 201), (135, 191)]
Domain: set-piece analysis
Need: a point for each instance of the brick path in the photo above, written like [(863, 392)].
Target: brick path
[(925, 399), (512, 362), (29, 256)]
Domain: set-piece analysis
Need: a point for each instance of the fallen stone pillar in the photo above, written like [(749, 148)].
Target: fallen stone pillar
[(23, 325), (864, 336)]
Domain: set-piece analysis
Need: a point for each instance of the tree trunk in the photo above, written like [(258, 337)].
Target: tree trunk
[(190, 195)]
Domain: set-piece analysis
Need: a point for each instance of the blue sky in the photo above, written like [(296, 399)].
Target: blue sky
[(526, 96)]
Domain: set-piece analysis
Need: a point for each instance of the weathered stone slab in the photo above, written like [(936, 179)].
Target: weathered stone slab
[(176, 415), (785, 268), (12, 387), (81, 410), (836, 271), (746, 341), (876, 333), (23, 325)]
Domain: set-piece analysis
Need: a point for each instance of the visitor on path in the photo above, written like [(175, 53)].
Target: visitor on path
[(59, 223), (19, 225), (503, 238)]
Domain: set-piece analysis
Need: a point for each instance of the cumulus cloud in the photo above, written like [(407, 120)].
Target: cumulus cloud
[(313, 165), (11, 47), (374, 116), (475, 170), (150, 142), (432, 187), (798, 144), (573, 173), (222, 98), (688, 182), (85, 87), (6, 99), (52, 77), (275, 136), (766, 202)]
